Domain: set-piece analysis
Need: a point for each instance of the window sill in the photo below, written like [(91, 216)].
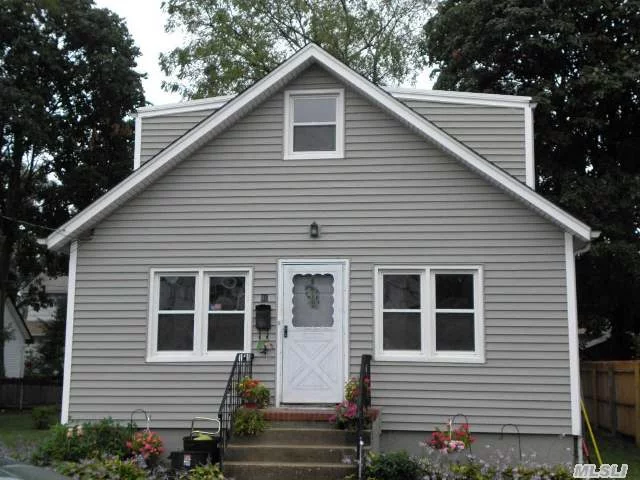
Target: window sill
[(382, 357), (222, 357), (313, 155)]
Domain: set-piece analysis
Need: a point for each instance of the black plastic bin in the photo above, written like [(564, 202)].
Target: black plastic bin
[(197, 452)]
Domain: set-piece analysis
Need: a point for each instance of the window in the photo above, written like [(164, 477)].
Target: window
[(199, 315), (429, 314), (314, 124)]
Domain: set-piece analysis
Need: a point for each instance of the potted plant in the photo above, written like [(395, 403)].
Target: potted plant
[(253, 393), (450, 440)]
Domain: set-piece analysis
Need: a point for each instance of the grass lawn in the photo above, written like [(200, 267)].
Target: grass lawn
[(619, 450), (17, 427)]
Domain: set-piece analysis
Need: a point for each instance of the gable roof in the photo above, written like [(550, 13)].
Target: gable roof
[(13, 312), (237, 107)]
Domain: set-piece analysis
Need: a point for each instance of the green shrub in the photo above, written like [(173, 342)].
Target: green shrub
[(89, 440), (248, 421), (44, 417), (203, 472), (392, 466), (105, 468)]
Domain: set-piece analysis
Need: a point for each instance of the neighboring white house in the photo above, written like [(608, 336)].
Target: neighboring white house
[(19, 338), (56, 290)]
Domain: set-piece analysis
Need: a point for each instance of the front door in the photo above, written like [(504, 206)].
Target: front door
[(313, 300)]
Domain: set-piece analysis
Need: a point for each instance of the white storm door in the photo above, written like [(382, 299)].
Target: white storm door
[(313, 303)]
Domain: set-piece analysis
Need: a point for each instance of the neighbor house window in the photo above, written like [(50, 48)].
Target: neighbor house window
[(314, 124), (199, 315), (429, 314)]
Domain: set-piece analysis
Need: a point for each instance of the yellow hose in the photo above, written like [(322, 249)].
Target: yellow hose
[(593, 438)]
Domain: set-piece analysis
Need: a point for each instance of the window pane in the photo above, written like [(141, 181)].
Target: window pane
[(454, 331), (401, 291), (226, 293), (401, 331), (175, 331), (226, 331), (319, 109), (177, 293), (312, 300), (314, 139), (454, 290)]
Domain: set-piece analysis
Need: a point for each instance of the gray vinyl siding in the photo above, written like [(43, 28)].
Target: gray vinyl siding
[(159, 131), (496, 133), (394, 199)]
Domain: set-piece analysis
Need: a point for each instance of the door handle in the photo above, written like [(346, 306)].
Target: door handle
[(286, 331)]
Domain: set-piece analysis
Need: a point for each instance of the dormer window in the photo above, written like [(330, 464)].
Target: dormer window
[(314, 124)]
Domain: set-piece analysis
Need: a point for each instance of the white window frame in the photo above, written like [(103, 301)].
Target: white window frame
[(428, 351), (289, 97), (201, 324)]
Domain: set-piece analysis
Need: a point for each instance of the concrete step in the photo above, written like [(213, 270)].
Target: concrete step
[(284, 453), (255, 470), (288, 435)]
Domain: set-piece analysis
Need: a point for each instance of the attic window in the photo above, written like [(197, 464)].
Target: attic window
[(314, 122)]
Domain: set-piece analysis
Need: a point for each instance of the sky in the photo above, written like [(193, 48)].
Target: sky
[(145, 21)]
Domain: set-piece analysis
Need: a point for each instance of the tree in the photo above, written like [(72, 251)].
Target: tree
[(580, 60), (234, 43), (66, 85)]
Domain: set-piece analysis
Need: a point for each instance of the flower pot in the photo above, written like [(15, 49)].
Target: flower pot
[(250, 405)]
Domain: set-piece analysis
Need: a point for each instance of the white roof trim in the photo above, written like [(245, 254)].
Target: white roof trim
[(183, 107), (445, 96), (235, 108), (489, 99)]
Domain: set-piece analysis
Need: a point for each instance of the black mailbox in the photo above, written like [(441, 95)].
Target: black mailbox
[(263, 317)]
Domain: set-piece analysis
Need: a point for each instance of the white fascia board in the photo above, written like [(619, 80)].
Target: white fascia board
[(184, 107), (226, 115), (468, 98), (68, 337), (137, 146), (572, 316), (529, 152)]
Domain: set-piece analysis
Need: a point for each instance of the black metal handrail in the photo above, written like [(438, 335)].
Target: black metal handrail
[(363, 403), (231, 401)]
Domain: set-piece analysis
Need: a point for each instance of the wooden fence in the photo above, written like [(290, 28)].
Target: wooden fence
[(29, 392), (611, 393)]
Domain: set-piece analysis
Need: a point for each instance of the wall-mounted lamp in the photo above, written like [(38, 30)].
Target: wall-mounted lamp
[(314, 230)]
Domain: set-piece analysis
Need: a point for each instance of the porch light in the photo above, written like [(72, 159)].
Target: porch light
[(314, 230)]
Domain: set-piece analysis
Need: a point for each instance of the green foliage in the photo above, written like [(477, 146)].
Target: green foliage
[(67, 83), (86, 441), (44, 417), (482, 470), (248, 421), (203, 472), (581, 63), (392, 466), (401, 466), (103, 468), (234, 43)]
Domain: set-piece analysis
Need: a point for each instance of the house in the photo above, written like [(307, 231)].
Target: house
[(398, 223), (16, 343), (56, 291)]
